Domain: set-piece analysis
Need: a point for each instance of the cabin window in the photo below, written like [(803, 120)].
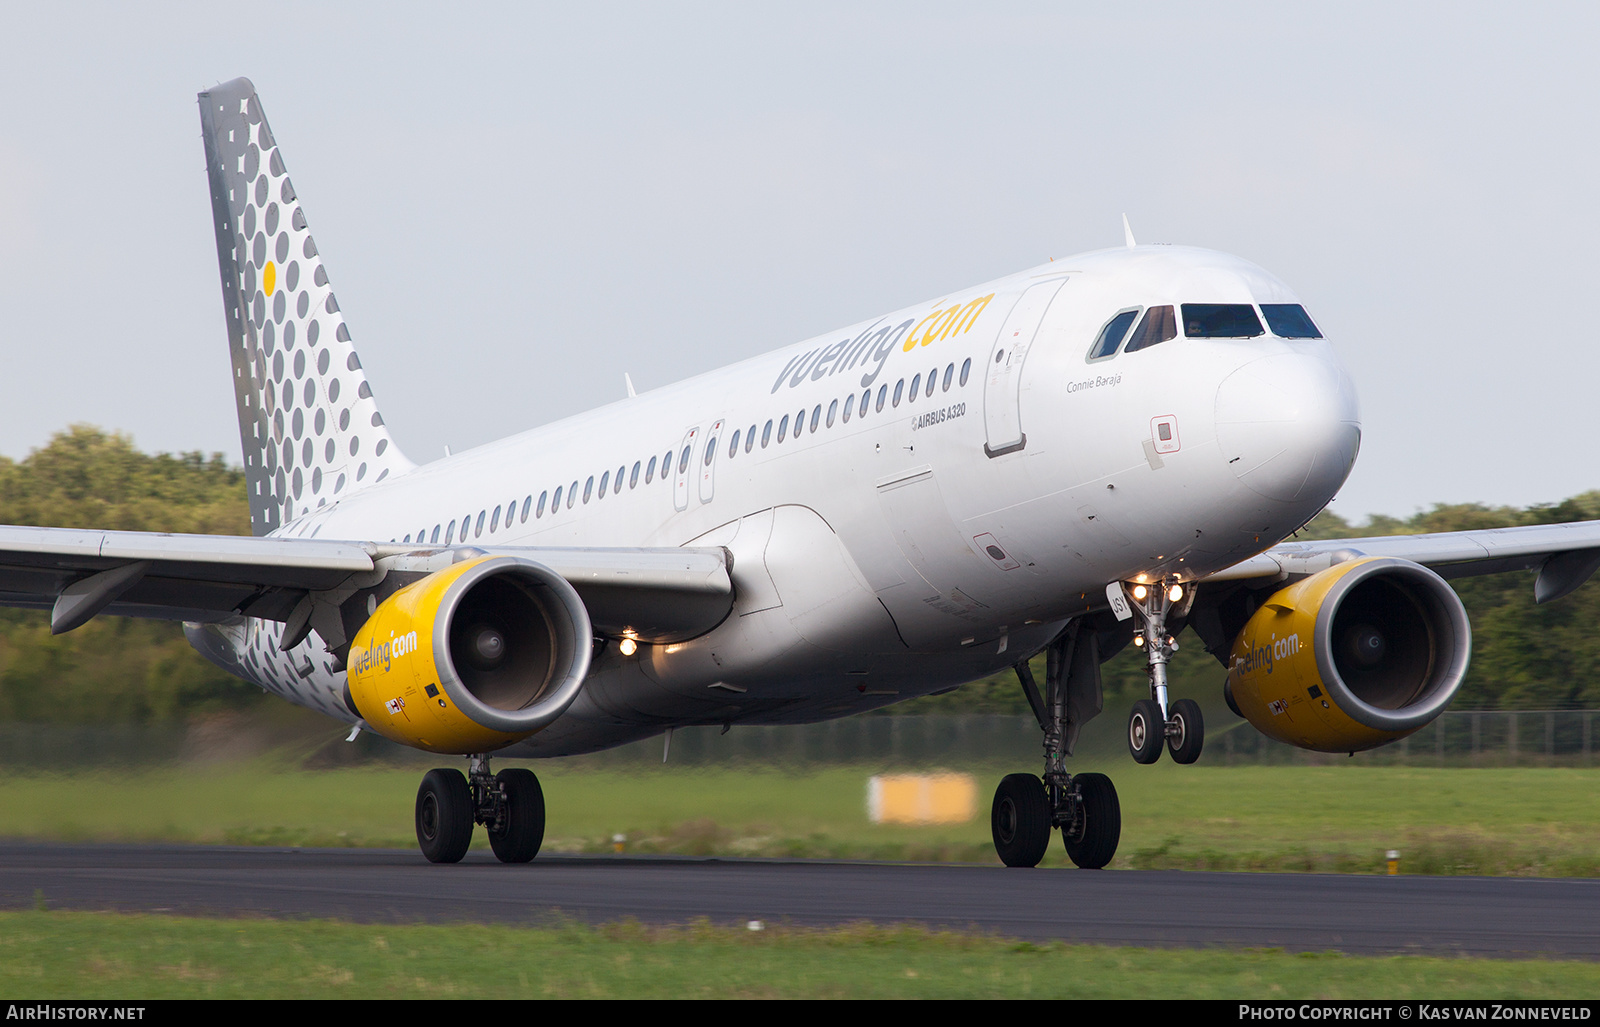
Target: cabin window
[(916, 387), (833, 408), (966, 368), (1290, 321), (816, 415), (478, 531), (588, 489), (849, 401), (572, 494), (555, 504), (932, 377), (527, 504), (949, 373), (650, 471), (433, 539), (783, 428), (898, 387), (450, 533), (733, 447), (750, 439), (633, 479), (766, 433), (494, 522), (605, 484), (683, 460), (540, 511), (616, 488)]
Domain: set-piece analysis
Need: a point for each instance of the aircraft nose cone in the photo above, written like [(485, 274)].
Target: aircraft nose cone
[(1289, 426)]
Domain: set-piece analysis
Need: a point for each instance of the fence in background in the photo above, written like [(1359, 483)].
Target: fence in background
[(1466, 738)]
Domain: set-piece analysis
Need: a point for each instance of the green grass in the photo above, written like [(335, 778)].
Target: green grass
[(1524, 821), (130, 957)]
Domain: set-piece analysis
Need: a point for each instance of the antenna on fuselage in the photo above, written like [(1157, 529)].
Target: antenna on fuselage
[(628, 381), (1127, 232)]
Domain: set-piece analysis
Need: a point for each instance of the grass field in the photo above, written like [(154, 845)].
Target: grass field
[(1525, 821), (94, 955)]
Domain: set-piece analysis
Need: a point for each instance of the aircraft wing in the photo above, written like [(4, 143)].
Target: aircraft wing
[(1564, 554), (76, 574)]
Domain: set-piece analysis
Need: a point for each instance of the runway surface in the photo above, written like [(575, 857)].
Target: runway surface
[(1300, 912)]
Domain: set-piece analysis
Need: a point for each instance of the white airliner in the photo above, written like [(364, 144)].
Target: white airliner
[(1097, 451)]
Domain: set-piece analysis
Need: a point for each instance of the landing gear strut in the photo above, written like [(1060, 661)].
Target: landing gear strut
[(1083, 806), (1154, 722), (510, 804)]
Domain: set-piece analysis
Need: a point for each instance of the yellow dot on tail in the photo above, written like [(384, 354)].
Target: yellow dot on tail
[(269, 278)]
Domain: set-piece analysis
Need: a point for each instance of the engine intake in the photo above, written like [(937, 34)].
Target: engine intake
[(1357, 656), (471, 658)]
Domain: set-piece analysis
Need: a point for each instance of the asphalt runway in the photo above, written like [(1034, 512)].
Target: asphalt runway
[(1511, 917)]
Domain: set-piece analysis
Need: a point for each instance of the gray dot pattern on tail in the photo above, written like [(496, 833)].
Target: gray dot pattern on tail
[(310, 428)]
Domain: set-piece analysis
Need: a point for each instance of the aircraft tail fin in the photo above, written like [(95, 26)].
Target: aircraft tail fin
[(310, 428)]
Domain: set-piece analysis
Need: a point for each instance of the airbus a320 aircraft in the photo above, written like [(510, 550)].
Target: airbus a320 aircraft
[(1096, 452)]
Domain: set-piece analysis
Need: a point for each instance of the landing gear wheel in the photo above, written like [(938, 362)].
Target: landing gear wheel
[(518, 835), (1147, 731), (1020, 820), (1091, 839), (1189, 731), (444, 816)]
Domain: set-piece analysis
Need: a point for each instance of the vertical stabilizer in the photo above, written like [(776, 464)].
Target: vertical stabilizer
[(307, 420)]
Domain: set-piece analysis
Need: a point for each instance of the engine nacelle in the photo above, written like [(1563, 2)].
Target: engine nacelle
[(1352, 658), (471, 658)]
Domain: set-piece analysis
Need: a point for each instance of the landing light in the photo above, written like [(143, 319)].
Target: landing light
[(1138, 641), (1175, 593), (1139, 592), (627, 647)]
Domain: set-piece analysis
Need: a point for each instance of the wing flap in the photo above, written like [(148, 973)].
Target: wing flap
[(653, 594)]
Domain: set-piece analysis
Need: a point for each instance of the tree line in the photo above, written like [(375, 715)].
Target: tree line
[(117, 669)]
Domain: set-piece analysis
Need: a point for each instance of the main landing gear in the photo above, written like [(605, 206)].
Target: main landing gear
[(1154, 722), (1083, 806), (510, 804)]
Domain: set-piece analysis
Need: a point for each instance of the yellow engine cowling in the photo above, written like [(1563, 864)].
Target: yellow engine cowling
[(1355, 657), (471, 658)]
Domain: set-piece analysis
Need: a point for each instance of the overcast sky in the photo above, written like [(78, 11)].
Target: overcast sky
[(516, 204)]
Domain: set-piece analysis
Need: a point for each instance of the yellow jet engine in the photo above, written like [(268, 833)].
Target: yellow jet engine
[(471, 658), (1351, 658)]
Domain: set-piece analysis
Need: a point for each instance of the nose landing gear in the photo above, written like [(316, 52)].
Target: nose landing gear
[(510, 804), (1083, 806), (1153, 723)]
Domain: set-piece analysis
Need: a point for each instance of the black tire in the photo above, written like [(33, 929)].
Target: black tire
[(444, 816), (1147, 731), (1020, 820), (1189, 733), (1091, 839), (520, 834)]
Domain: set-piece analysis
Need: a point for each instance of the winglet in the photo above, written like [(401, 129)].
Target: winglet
[(1127, 232)]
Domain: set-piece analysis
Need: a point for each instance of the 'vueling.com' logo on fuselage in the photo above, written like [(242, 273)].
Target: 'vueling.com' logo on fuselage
[(872, 347), (1262, 657), (381, 654)]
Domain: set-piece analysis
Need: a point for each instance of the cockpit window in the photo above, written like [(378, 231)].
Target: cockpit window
[(1158, 325), (1220, 321), (1111, 336), (1290, 321)]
